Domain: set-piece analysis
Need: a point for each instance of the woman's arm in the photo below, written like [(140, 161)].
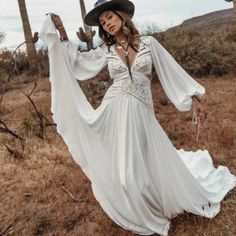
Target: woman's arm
[(178, 85), (59, 26), (82, 65), (199, 109)]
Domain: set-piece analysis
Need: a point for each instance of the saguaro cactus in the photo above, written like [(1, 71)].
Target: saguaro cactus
[(30, 41), (86, 34)]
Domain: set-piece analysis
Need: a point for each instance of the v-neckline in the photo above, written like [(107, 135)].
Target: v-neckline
[(135, 57)]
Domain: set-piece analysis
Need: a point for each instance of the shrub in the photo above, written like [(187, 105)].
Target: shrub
[(201, 54), (22, 65)]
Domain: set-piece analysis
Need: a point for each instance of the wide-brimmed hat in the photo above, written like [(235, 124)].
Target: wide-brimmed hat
[(92, 18)]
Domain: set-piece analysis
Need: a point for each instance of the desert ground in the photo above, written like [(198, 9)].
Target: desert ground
[(44, 192)]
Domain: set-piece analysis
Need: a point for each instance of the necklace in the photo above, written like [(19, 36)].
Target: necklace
[(119, 45), (126, 51)]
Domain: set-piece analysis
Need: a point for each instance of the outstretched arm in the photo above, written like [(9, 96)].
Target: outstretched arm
[(82, 65), (179, 86), (59, 26)]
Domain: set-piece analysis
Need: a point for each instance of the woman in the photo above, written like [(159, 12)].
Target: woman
[(138, 177)]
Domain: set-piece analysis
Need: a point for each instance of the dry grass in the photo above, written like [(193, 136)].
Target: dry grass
[(202, 54), (30, 191)]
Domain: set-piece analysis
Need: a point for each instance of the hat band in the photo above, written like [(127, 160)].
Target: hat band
[(100, 2)]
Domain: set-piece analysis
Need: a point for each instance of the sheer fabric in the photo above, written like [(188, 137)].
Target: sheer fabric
[(138, 177)]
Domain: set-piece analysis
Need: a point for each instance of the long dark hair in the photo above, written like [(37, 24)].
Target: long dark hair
[(127, 27)]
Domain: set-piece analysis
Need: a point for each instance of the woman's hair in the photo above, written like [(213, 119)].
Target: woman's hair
[(128, 28)]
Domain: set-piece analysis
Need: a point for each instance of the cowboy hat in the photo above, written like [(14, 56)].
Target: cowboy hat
[(92, 18)]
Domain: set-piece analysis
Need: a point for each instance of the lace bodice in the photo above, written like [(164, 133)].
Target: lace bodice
[(142, 62), (140, 85)]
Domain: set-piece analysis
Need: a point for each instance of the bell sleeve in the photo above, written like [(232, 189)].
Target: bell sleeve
[(83, 65), (71, 110), (178, 85)]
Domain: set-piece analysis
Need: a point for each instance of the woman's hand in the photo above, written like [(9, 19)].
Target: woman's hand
[(200, 110), (59, 25), (56, 20)]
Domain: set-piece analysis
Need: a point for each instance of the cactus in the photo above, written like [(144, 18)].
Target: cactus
[(85, 35), (30, 47), (35, 37), (87, 38)]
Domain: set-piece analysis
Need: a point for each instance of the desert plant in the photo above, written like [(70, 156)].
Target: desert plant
[(87, 34), (149, 28), (2, 36), (30, 46), (202, 54)]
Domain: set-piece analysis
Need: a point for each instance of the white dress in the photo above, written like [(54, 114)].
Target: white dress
[(138, 177)]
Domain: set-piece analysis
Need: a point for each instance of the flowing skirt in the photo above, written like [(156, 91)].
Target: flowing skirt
[(139, 178)]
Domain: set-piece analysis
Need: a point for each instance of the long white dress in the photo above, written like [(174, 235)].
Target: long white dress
[(138, 177)]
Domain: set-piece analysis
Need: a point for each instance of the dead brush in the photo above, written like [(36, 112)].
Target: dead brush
[(41, 120), (209, 54)]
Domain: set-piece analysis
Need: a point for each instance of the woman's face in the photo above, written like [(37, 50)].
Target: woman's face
[(110, 22)]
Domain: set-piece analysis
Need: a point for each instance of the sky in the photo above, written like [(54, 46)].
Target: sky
[(164, 14)]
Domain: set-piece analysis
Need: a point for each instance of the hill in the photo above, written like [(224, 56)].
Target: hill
[(210, 22), (204, 45)]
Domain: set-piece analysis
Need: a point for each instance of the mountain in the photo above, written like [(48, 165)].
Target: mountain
[(211, 21)]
